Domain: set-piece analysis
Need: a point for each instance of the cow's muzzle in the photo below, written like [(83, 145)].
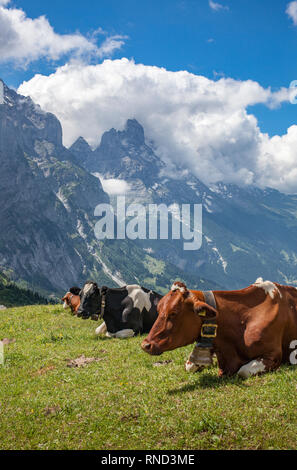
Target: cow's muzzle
[(83, 314), (151, 347), (95, 316)]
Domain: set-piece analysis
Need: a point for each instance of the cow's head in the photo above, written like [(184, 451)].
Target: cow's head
[(178, 323), (71, 298), (90, 300), (66, 300)]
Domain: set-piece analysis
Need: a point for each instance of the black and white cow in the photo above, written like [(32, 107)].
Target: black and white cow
[(126, 310)]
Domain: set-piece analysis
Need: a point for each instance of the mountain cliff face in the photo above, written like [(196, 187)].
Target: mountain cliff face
[(247, 232), (47, 210), (45, 197)]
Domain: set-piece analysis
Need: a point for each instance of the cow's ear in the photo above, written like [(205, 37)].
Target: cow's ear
[(204, 310), (75, 290), (97, 289)]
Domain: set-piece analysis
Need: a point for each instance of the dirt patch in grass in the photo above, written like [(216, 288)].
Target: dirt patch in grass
[(51, 410), (130, 417), (162, 363), (44, 370), (82, 361)]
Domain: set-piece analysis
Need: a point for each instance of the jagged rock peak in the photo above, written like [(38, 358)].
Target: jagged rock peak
[(133, 134), (80, 143), (134, 131)]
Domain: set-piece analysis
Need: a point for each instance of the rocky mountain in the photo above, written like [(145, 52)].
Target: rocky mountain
[(247, 232), (47, 211), (120, 152)]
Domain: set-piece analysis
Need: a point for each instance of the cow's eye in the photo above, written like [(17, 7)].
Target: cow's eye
[(172, 315)]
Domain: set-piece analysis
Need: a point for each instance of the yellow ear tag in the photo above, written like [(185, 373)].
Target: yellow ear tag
[(202, 313)]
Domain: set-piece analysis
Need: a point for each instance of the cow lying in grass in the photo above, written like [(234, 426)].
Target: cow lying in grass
[(72, 299), (256, 326), (126, 310)]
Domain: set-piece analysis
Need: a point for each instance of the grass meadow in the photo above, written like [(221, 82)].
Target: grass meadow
[(127, 399)]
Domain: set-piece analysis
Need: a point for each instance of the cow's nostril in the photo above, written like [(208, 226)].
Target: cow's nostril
[(146, 346)]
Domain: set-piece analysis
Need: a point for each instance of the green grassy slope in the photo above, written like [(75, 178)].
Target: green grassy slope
[(123, 401)]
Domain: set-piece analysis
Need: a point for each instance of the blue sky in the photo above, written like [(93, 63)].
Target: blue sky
[(251, 39), (241, 40)]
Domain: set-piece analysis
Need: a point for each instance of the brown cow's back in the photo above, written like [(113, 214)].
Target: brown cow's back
[(253, 323)]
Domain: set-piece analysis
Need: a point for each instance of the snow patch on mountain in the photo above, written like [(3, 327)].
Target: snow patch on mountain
[(63, 199), (113, 186)]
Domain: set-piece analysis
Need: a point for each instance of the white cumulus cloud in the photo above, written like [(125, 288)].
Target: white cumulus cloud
[(291, 11), (217, 6), (23, 39), (192, 120)]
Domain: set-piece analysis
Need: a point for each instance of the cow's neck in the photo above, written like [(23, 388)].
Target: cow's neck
[(230, 306), (227, 310), (226, 301)]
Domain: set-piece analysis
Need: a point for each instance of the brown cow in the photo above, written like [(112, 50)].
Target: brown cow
[(72, 300), (257, 326)]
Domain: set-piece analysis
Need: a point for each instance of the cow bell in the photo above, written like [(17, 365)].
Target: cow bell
[(201, 356)]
